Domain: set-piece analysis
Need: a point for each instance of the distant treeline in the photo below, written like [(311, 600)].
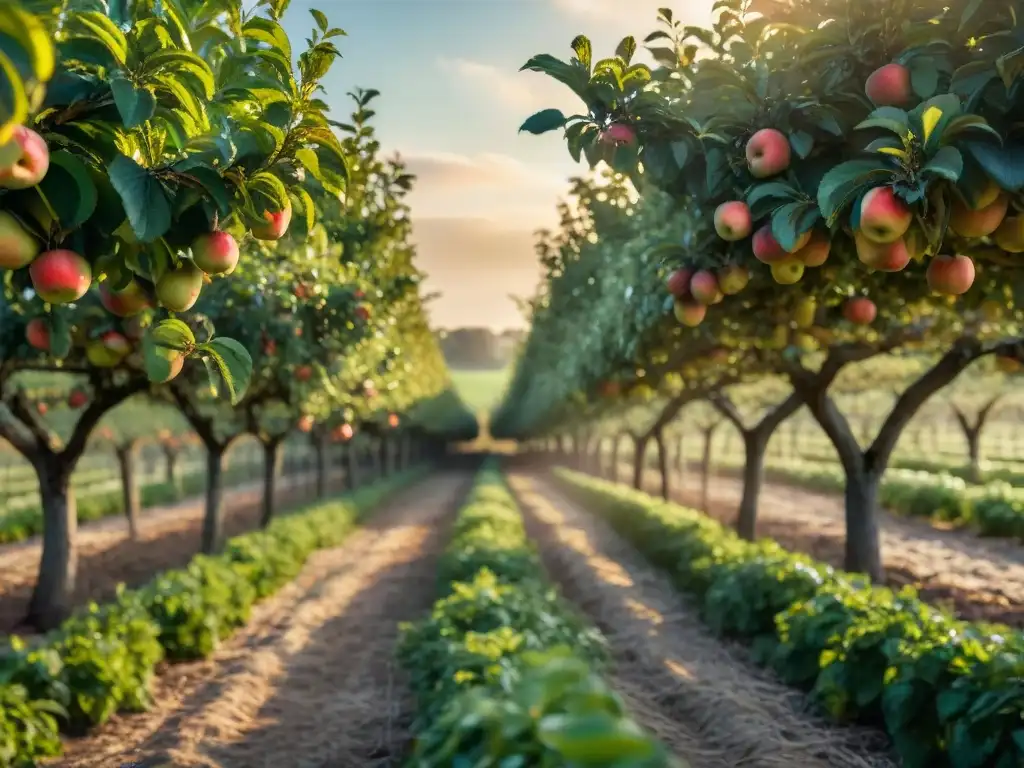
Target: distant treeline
[(479, 347)]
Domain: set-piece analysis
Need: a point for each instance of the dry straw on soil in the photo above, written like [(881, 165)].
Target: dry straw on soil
[(671, 669), (311, 682)]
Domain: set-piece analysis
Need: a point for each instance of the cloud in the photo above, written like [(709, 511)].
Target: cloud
[(488, 169), (477, 265), (636, 16), (519, 91)]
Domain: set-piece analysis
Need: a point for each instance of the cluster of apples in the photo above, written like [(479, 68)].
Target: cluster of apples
[(694, 291)]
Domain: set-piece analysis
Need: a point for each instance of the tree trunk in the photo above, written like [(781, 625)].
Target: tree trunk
[(271, 465), (129, 488), (680, 460), (212, 522), (376, 468), (52, 598), (612, 472), (352, 467), (659, 440), (754, 446), (405, 457), (322, 467), (171, 469), (705, 467), (973, 437), (863, 550), (639, 454)]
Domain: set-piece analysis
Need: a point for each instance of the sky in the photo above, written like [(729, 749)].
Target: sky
[(452, 102)]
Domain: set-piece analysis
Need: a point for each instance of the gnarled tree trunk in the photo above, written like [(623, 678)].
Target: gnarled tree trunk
[(659, 440), (53, 596), (639, 455)]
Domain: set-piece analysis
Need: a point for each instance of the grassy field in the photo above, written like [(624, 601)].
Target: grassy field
[(481, 389)]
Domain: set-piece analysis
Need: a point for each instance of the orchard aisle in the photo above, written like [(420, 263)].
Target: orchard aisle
[(311, 681), (169, 536), (982, 578), (698, 693)]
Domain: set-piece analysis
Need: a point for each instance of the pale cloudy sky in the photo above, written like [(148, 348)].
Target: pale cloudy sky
[(452, 102)]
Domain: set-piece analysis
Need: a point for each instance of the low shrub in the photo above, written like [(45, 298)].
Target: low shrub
[(949, 693), (103, 659), (495, 681)]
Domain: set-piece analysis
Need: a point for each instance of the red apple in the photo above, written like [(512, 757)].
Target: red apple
[(32, 163), (363, 312), (17, 247), (860, 311), (689, 313), (768, 153), (392, 420), (679, 283), (884, 218), (37, 334), (215, 253), (951, 275), (42, 408), (77, 399), (274, 224), (178, 289), (618, 133), (127, 302), (815, 251), (766, 247), (306, 423), (885, 257), (732, 220), (346, 431), (889, 86), (704, 287), (60, 277), (978, 223), (303, 373)]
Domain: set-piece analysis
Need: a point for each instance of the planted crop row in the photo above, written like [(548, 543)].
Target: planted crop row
[(948, 693), (103, 660), (23, 523), (494, 679), (994, 509)]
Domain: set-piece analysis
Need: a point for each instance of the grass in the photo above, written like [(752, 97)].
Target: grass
[(481, 390)]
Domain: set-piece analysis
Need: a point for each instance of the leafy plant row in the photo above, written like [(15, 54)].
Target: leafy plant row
[(103, 660), (995, 509), (23, 523), (494, 679), (949, 693)]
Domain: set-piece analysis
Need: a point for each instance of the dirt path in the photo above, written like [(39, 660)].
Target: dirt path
[(698, 693), (168, 538), (981, 579), (311, 682)]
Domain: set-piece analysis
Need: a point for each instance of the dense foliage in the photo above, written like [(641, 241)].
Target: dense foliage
[(102, 660), (947, 692), (492, 670)]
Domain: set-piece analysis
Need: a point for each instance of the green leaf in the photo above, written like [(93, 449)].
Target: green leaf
[(321, 19), (947, 163), (924, 78), (801, 142), (309, 161), (234, 364), (1004, 164), (163, 343), (69, 189), (95, 27), (626, 49), (587, 738), (544, 121), (844, 182), (14, 105), (214, 185), (784, 223), (890, 118), (136, 105), (144, 199), (185, 63), (583, 50), (60, 335)]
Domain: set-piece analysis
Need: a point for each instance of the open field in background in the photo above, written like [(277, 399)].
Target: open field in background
[(481, 390)]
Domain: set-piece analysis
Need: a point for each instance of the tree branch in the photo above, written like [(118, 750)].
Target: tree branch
[(21, 408), (725, 406), (203, 425), (106, 399), (951, 365)]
